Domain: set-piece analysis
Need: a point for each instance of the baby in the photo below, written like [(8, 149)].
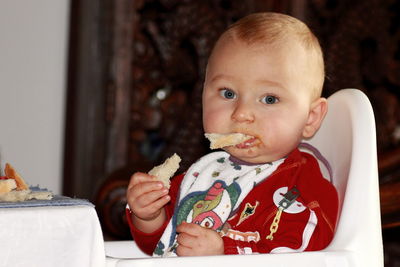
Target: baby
[(264, 79)]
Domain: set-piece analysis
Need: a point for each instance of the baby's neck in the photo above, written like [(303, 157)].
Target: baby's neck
[(242, 162)]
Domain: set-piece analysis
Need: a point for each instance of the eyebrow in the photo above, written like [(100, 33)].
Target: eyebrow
[(272, 83), (260, 81), (222, 77)]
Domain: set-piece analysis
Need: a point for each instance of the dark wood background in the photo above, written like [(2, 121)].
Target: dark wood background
[(135, 74)]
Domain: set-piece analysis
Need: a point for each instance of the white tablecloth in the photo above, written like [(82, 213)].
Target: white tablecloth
[(53, 236)]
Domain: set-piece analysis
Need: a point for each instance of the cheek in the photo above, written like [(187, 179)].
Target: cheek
[(207, 122), (214, 118), (281, 128)]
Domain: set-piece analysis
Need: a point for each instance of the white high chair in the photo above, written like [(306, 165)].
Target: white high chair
[(347, 140)]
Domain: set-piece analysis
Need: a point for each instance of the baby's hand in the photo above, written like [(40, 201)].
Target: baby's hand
[(195, 240), (146, 197)]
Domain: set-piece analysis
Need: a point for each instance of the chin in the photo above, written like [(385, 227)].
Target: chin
[(249, 155)]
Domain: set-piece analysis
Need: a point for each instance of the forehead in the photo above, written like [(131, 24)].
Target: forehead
[(236, 57), (286, 62), (231, 48)]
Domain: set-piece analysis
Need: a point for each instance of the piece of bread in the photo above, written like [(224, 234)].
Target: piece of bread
[(14, 189), (10, 172), (224, 140), (24, 195), (15, 196), (165, 171), (6, 185)]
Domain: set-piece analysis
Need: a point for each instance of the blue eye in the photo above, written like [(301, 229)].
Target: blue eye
[(269, 99), (227, 93)]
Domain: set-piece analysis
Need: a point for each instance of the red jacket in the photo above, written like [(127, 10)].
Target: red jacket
[(307, 225)]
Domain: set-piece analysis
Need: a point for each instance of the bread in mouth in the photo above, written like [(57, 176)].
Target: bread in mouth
[(224, 140)]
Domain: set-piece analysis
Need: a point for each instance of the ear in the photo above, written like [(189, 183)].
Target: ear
[(316, 115)]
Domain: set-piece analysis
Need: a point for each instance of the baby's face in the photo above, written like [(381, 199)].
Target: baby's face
[(259, 91)]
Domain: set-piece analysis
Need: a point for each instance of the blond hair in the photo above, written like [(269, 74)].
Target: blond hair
[(271, 28)]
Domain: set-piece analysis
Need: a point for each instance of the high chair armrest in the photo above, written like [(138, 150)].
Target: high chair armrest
[(123, 250), (122, 254)]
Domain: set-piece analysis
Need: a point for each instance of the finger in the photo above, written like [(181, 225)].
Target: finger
[(151, 211), (140, 177), (148, 211), (184, 251), (144, 195), (189, 228), (186, 240), (145, 188), (157, 204)]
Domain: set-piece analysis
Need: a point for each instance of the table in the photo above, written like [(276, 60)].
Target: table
[(56, 236)]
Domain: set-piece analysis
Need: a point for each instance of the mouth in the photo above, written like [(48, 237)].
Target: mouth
[(248, 143)]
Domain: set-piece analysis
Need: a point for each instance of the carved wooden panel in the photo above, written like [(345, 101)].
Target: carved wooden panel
[(136, 71), (171, 41), (361, 41)]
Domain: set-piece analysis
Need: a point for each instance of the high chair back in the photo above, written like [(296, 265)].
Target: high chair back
[(347, 139)]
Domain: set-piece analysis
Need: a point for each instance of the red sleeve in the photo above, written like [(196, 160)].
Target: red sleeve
[(148, 241)]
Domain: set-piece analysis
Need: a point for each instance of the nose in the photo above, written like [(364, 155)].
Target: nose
[(243, 112)]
